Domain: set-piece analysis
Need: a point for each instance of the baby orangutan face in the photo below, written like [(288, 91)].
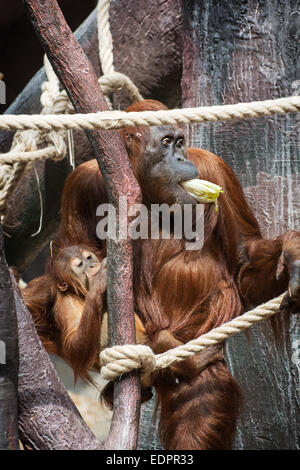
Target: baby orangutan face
[(84, 265)]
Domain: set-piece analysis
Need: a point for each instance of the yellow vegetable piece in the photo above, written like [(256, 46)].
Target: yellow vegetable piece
[(202, 190)]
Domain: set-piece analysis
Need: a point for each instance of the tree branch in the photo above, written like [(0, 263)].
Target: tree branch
[(48, 419), (152, 60), (80, 82), (8, 359)]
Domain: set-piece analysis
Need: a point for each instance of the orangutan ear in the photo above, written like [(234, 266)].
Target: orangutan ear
[(128, 138), (62, 287)]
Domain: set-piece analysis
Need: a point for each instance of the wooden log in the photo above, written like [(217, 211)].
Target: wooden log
[(151, 54), (241, 52), (48, 419), (9, 359), (80, 82)]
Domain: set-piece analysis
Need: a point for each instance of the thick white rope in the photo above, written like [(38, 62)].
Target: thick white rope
[(115, 81), (25, 146), (51, 126), (105, 38), (119, 360), (55, 118), (26, 157), (111, 81), (118, 119), (25, 149)]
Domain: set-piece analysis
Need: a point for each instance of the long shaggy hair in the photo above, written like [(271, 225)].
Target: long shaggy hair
[(185, 293)]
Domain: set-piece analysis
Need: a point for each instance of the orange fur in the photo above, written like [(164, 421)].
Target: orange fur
[(181, 294), (68, 321)]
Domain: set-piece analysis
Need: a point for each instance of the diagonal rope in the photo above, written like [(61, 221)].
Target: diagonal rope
[(119, 360), (51, 127), (31, 144)]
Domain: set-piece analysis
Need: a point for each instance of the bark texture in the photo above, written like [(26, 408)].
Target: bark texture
[(240, 51), (9, 360), (147, 47), (48, 419), (80, 82)]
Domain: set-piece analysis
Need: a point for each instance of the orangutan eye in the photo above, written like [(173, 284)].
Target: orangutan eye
[(76, 263), (87, 254), (167, 141), (180, 142)]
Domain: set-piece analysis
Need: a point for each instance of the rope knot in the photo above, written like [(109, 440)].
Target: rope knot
[(115, 81), (120, 360)]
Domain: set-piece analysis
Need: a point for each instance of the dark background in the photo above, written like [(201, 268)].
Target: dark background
[(21, 54)]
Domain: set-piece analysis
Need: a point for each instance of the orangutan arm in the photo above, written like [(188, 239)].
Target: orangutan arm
[(271, 266), (80, 325)]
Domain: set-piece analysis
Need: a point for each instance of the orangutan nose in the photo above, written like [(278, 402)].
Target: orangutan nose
[(93, 270)]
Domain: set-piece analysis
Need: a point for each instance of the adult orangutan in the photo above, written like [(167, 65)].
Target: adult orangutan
[(181, 294)]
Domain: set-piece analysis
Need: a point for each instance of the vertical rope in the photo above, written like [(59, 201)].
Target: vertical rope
[(55, 101), (105, 37)]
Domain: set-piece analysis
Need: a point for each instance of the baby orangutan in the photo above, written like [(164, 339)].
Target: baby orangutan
[(68, 307)]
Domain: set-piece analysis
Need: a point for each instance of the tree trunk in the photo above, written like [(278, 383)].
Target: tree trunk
[(76, 74), (148, 430), (150, 52), (48, 419), (239, 52), (9, 360)]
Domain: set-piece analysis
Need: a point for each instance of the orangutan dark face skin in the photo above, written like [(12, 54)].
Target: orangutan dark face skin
[(67, 304), (82, 263), (165, 166), (182, 294)]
